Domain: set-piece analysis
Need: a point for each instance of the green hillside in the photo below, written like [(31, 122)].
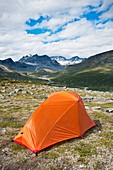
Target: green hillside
[(6, 73), (94, 73)]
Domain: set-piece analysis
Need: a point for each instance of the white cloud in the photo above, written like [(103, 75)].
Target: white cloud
[(108, 14), (15, 42), (105, 5), (78, 28)]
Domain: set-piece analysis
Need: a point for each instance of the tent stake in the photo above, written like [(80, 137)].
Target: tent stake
[(36, 153)]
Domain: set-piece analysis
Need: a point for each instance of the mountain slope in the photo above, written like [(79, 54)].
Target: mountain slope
[(93, 61), (18, 66), (6, 73), (96, 73)]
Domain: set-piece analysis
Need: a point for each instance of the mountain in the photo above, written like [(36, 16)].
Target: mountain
[(64, 61), (35, 62), (95, 73), (32, 63), (41, 62)]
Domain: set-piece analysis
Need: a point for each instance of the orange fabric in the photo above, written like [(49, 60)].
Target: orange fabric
[(60, 117)]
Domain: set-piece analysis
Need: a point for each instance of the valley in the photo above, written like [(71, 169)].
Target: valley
[(95, 73)]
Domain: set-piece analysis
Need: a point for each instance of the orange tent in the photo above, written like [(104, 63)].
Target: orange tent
[(60, 117)]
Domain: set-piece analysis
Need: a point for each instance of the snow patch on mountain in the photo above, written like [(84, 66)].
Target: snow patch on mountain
[(64, 61)]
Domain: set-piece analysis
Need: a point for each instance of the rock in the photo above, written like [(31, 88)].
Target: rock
[(97, 108), (109, 110), (81, 166), (111, 131), (3, 130), (3, 91), (86, 88), (89, 109), (88, 98), (5, 150), (11, 93), (18, 90), (24, 92)]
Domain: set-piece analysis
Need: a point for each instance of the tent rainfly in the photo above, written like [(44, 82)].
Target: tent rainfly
[(60, 117)]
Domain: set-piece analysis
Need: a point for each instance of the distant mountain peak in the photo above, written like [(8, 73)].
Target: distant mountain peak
[(34, 58), (9, 60), (64, 61)]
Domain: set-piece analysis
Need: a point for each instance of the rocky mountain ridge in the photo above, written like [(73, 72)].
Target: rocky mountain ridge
[(38, 62), (32, 63)]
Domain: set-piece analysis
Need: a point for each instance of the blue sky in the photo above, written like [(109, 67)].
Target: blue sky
[(66, 28)]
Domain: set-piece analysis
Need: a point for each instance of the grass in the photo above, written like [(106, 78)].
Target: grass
[(85, 149), (106, 105), (50, 154), (103, 117), (17, 148), (103, 105), (9, 122), (108, 136)]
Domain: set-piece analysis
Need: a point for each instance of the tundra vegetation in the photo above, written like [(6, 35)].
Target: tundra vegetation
[(94, 151)]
